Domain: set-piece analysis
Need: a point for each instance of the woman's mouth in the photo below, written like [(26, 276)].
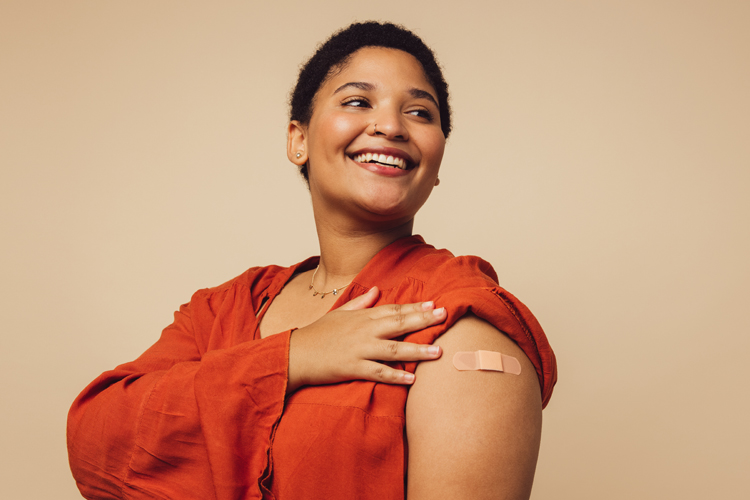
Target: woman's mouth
[(380, 159)]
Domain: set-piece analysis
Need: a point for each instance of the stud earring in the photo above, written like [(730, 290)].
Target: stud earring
[(299, 154)]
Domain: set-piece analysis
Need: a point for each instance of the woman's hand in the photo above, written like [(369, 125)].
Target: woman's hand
[(350, 343)]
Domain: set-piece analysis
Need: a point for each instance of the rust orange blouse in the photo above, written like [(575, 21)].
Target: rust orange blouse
[(202, 413)]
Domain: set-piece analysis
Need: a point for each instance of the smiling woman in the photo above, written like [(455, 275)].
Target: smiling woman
[(380, 103), (333, 378)]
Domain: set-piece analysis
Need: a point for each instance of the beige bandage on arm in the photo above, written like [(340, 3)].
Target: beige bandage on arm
[(486, 360)]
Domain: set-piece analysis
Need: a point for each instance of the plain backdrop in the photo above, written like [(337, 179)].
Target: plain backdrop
[(600, 160)]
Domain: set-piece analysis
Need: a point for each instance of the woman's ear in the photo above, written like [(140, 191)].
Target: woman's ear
[(296, 143)]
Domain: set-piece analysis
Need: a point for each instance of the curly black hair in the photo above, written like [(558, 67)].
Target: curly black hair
[(335, 53)]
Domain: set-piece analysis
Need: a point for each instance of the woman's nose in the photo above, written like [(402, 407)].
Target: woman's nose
[(389, 124)]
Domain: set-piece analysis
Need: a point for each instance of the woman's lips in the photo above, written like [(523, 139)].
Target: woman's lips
[(386, 157), (379, 168), (384, 160)]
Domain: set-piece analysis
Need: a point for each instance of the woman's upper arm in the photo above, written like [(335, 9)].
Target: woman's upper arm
[(473, 434)]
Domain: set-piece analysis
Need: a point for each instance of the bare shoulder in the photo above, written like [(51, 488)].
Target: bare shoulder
[(473, 434)]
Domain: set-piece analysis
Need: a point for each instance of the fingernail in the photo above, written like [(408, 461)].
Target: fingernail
[(426, 306), (438, 312), (408, 378), (433, 349)]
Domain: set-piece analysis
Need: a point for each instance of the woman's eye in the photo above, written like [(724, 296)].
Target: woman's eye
[(422, 113), (357, 102)]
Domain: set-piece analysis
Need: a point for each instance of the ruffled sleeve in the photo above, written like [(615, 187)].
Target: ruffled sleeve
[(468, 284), (182, 421)]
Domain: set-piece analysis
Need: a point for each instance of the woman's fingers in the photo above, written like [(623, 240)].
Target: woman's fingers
[(368, 299), (396, 351), (394, 325), (354, 341), (396, 309), (391, 350), (378, 372)]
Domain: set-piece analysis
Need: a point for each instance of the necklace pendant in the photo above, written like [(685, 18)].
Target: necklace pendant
[(323, 295), (315, 293), (309, 287), (335, 292)]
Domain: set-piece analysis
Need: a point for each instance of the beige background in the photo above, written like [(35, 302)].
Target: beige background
[(600, 160)]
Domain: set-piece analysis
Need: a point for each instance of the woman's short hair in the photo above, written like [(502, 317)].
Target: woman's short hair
[(335, 53)]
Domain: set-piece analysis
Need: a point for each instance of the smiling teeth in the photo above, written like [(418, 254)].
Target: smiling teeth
[(390, 161)]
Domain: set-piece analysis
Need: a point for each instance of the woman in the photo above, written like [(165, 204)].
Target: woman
[(293, 382)]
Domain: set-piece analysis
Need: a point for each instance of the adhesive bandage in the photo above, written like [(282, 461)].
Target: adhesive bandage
[(486, 360)]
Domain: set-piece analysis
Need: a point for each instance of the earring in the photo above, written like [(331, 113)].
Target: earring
[(298, 154), (375, 128)]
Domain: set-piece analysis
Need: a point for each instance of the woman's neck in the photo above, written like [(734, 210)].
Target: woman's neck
[(343, 253)]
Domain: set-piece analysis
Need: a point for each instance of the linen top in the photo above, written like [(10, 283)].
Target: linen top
[(203, 413)]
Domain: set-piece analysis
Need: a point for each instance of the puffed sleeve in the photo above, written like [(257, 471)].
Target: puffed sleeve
[(181, 421), (468, 284)]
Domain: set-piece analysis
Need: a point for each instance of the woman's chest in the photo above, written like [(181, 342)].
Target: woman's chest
[(293, 307)]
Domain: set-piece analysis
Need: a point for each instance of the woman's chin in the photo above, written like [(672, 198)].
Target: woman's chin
[(391, 202), (395, 210)]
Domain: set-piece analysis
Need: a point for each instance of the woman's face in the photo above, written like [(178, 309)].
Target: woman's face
[(374, 141)]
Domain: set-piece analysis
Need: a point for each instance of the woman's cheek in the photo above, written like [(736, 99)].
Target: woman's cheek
[(343, 127), (435, 148)]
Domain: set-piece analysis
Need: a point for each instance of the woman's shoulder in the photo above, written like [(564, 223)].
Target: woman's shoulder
[(443, 270), (469, 285), (413, 260)]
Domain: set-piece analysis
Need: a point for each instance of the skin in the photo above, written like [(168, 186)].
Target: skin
[(470, 434), (473, 435)]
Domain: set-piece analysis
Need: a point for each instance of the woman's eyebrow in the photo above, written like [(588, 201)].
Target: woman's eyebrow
[(423, 94), (369, 87)]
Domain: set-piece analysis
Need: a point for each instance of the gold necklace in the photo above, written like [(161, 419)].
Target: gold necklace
[(335, 291)]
